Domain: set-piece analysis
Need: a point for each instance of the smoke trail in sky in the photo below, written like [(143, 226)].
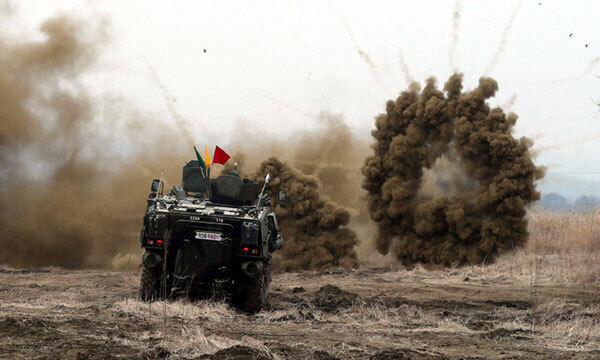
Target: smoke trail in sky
[(363, 54), (285, 105), (510, 102), (182, 124), (454, 33), (504, 39), (567, 143), (405, 71), (591, 66)]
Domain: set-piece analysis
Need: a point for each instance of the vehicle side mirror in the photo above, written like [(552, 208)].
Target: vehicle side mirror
[(282, 199), (155, 185)]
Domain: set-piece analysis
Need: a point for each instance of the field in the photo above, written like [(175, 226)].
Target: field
[(542, 302)]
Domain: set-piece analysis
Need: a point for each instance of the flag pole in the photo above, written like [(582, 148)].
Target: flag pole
[(201, 162)]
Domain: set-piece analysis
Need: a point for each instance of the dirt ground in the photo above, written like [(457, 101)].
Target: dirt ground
[(369, 313)]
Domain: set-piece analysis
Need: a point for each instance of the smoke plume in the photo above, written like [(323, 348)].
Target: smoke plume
[(315, 228), (69, 195), (474, 209)]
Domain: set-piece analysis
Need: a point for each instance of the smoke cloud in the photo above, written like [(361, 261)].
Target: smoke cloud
[(447, 183), (70, 196), (315, 228)]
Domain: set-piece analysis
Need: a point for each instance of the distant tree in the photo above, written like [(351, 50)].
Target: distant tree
[(586, 203), (554, 201)]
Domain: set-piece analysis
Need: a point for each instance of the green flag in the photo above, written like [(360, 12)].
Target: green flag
[(200, 158)]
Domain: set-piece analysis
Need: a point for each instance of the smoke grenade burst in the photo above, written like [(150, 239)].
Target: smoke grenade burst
[(483, 178), (315, 228)]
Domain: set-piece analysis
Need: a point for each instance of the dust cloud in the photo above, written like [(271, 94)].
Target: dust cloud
[(70, 196), (447, 183)]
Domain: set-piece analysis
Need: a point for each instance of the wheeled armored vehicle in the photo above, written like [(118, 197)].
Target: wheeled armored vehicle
[(209, 235)]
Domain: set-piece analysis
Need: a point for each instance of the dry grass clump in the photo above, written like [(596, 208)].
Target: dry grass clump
[(181, 309), (182, 331), (195, 342)]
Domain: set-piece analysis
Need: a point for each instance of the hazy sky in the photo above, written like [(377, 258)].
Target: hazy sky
[(271, 64)]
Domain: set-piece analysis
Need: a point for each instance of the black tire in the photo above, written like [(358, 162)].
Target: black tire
[(251, 296), (150, 283)]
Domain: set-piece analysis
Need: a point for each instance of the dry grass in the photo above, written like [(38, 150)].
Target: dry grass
[(563, 233), (185, 334), (562, 248), (534, 303)]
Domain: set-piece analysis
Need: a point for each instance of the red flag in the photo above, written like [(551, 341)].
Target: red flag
[(220, 156)]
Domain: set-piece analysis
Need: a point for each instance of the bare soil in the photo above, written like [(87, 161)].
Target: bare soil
[(373, 313)]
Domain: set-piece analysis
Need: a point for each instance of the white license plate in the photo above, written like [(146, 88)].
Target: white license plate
[(201, 235)]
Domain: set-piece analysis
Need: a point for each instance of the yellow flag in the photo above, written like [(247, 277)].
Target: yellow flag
[(207, 157)]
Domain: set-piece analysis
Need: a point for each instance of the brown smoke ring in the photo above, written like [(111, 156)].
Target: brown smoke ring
[(470, 226)]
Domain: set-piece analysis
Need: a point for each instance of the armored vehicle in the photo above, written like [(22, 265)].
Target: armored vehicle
[(209, 234)]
